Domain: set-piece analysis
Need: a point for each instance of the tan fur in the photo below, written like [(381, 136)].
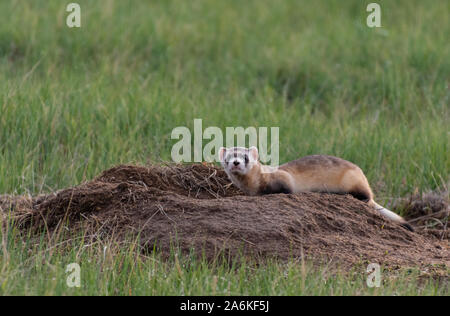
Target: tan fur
[(327, 174), (317, 173)]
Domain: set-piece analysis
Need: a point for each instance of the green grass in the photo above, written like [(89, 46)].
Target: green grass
[(77, 101), (107, 268)]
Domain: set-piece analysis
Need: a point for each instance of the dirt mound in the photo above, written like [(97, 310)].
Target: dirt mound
[(429, 212), (196, 207)]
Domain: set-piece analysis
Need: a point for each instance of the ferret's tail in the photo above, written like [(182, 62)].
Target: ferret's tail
[(391, 215)]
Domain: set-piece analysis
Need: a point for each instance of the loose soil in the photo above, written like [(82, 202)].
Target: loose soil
[(196, 208)]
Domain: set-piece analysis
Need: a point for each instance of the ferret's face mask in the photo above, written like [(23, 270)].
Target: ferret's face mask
[(238, 160)]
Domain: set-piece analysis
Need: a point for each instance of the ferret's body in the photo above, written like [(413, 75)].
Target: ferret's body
[(317, 173)]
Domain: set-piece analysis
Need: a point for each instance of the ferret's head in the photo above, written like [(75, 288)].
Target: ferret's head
[(238, 160)]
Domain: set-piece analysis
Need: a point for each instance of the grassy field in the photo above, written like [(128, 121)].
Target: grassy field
[(108, 268), (77, 101)]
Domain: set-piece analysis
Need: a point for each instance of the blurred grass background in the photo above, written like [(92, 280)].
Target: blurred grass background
[(77, 101)]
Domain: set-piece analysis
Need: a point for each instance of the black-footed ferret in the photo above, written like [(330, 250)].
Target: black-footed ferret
[(317, 173)]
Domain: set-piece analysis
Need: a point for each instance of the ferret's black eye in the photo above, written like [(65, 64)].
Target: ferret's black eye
[(246, 159)]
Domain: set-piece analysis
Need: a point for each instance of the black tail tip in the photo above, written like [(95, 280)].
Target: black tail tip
[(408, 226)]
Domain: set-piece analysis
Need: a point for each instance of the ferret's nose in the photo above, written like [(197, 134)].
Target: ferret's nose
[(236, 163)]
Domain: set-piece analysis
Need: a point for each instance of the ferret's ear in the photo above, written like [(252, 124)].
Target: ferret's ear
[(222, 152), (254, 152)]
